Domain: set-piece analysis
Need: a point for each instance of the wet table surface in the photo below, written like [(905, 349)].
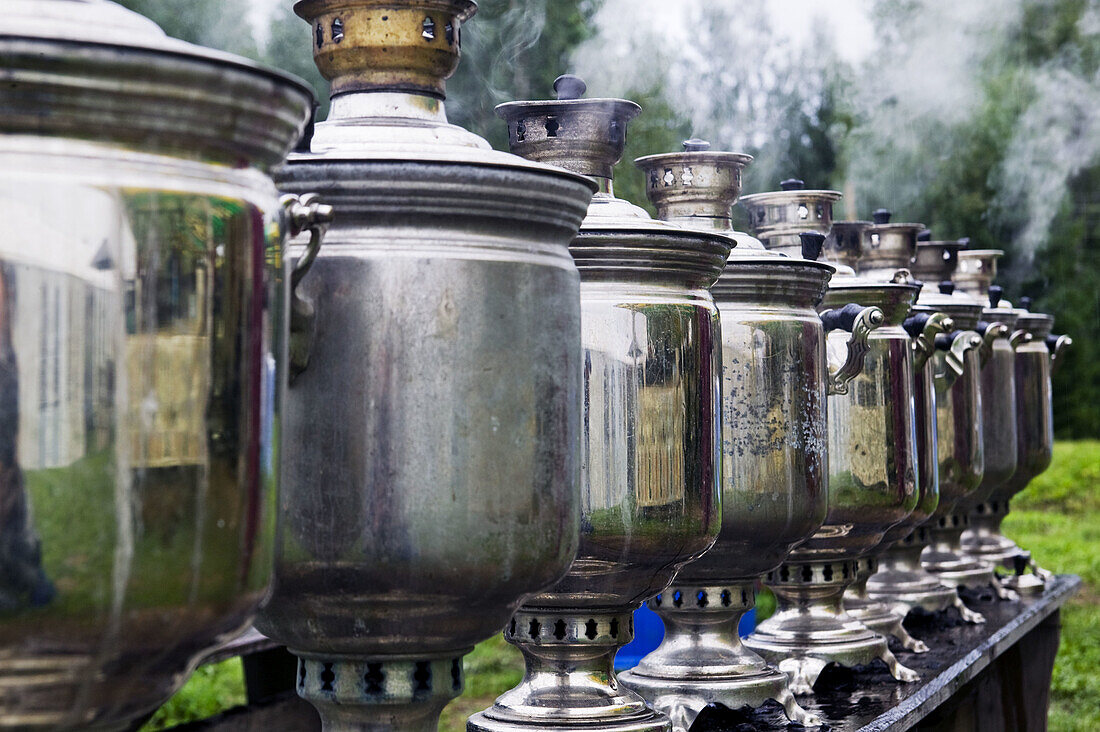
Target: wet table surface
[(869, 700)]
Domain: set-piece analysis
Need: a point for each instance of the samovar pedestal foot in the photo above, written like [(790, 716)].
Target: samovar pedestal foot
[(946, 559), (702, 660), (968, 616), (380, 693), (570, 681), (811, 629), (903, 584), (875, 614)]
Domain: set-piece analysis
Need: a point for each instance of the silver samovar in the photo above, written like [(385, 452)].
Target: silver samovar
[(977, 270), (960, 365), (651, 435), (142, 308), (431, 429), (884, 249), (872, 461), (773, 449)]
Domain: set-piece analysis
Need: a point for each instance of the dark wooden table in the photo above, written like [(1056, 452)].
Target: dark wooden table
[(977, 678)]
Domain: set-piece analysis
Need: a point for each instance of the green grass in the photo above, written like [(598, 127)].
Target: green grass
[(1057, 518)]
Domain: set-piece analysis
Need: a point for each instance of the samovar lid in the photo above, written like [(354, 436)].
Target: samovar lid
[(935, 266), (778, 218), (588, 136), (387, 63), (1036, 323), (92, 70)]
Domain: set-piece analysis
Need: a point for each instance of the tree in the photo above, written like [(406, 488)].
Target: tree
[(221, 24)]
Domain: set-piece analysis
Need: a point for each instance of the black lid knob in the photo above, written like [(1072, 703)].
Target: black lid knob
[(965, 242), (696, 145), (947, 287), (792, 184), (881, 216), (996, 292), (924, 235), (812, 243), (1025, 303), (568, 86)]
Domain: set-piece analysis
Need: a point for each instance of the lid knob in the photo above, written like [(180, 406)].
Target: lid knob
[(812, 243), (881, 216), (947, 287), (1025, 303), (568, 86), (792, 184), (409, 46), (964, 242), (696, 145), (996, 292), (924, 235)]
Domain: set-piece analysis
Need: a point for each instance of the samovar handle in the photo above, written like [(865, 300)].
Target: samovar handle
[(859, 321), (990, 333), (304, 213), (1057, 344), (923, 329), (1019, 337), (955, 346)]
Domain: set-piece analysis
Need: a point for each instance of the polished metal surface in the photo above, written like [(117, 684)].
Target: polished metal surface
[(431, 431), (872, 486), (142, 311), (651, 434), (773, 451), (778, 218)]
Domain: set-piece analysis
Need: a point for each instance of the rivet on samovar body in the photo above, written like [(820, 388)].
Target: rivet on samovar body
[(442, 314), (652, 429), (811, 627), (773, 447), (144, 240)]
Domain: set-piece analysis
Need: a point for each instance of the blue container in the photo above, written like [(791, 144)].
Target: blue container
[(649, 632)]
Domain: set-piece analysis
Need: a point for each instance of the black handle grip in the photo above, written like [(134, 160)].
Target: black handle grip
[(792, 184), (881, 216), (944, 341), (914, 324), (812, 244), (982, 327), (996, 292), (947, 287), (1051, 341), (843, 318)]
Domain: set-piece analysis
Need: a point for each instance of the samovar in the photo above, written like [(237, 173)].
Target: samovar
[(960, 365), (431, 429), (884, 249), (871, 447), (142, 308), (977, 270), (774, 490), (651, 433)]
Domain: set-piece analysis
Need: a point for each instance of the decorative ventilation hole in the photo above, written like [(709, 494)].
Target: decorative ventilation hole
[(590, 629), (727, 598), (654, 179), (614, 627), (827, 572), (677, 599), (552, 126), (876, 241), (784, 573), (449, 33), (320, 33), (669, 178), (428, 31), (422, 676), (845, 573), (807, 573), (803, 212), (687, 177), (521, 132), (301, 675), (374, 678), (760, 216), (337, 30), (512, 628), (327, 677), (659, 599), (701, 598), (820, 211), (456, 674), (559, 630), (615, 134), (744, 598), (534, 628)]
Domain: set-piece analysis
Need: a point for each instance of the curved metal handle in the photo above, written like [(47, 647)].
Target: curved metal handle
[(1019, 337), (1057, 345), (305, 213), (991, 332), (955, 346), (859, 322), (923, 329)]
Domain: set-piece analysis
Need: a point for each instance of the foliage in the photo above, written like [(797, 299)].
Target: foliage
[(210, 690)]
